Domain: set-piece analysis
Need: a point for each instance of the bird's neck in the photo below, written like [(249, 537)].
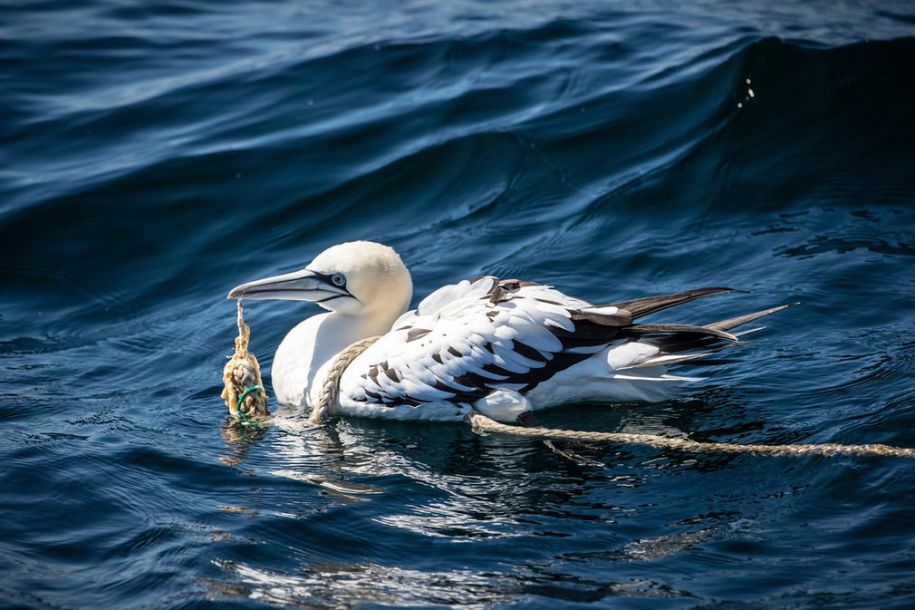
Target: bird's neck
[(339, 331), (372, 322)]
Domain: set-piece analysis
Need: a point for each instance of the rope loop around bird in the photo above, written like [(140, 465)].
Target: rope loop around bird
[(327, 402), (330, 390)]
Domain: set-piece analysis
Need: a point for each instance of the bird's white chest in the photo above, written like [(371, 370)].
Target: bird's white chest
[(294, 365), (305, 349)]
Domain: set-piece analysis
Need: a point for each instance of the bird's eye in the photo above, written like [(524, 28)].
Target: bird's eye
[(338, 279)]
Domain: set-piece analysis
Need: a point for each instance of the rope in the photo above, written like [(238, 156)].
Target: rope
[(482, 424), (251, 388), (243, 417), (242, 379), (327, 402)]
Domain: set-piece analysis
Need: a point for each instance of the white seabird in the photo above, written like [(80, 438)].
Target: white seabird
[(502, 347)]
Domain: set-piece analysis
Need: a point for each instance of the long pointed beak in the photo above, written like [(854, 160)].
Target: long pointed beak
[(303, 285)]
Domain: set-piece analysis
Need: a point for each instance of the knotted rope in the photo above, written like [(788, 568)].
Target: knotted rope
[(327, 402), (243, 388)]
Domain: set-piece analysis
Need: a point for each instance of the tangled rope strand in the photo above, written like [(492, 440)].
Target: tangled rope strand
[(243, 389), (327, 404), (330, 389)]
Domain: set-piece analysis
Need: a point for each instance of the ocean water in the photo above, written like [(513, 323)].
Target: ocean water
[(155, 154)]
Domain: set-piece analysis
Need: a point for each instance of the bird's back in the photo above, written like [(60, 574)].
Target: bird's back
[(466, 340)]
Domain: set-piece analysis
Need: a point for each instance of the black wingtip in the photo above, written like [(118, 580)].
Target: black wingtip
[(648, 305)]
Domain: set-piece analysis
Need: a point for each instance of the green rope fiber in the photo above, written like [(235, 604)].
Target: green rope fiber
[(239, 402)]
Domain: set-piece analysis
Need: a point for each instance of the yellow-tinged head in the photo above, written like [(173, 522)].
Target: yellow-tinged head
[(356, 278)]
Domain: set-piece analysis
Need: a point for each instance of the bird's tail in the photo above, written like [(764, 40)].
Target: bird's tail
[(683, 343), (638, 367)]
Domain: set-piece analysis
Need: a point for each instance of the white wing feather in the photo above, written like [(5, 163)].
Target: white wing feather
[(465, 340)]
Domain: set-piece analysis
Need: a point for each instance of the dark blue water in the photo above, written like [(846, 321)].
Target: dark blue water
[(155, 154)]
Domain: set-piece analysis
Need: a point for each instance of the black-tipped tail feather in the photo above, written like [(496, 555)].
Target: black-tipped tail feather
[(600, 322), (708, 337)]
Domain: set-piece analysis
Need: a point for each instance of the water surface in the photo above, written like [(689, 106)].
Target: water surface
[(156, 154)]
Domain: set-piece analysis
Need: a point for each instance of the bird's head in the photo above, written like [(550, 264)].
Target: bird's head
[(355, 278)]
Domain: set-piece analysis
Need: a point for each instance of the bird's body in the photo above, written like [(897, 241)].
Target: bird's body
[(502, 347)]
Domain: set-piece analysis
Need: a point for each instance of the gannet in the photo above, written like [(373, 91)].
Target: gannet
[(502, 347)]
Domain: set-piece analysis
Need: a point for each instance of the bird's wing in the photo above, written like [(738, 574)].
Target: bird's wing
[(465, 340)]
